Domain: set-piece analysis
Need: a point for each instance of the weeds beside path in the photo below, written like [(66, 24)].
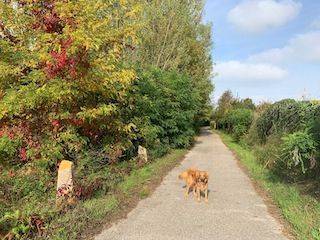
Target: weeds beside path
[(91, 215), (302, 212)]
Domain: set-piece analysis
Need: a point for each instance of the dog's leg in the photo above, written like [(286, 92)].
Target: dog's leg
[(194, 191), (206, 195), (198, 195), (187, 192)]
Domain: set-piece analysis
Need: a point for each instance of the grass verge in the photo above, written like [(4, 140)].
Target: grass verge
[(302, 212), (90, 216)]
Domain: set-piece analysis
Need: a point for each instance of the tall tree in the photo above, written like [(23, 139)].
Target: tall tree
[(175, 38)]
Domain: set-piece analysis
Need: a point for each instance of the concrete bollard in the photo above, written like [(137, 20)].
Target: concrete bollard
[(142, 154), (65, 194)]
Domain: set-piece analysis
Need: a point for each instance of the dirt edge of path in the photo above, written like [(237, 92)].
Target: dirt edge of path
[(128, 204), (272, 208)]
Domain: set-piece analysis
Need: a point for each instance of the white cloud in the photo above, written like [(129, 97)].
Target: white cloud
[(315, 24), (235, 71), (302, 48), (256, 16)]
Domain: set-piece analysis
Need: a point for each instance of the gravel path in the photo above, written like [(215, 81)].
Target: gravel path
[(234, 211)]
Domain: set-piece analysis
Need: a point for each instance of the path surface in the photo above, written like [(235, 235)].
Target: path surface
[(234, 211)]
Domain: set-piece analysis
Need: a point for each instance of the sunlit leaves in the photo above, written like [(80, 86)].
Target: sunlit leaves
[(66, 56)]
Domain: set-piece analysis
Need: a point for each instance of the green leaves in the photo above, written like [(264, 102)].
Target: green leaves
[(285, 116), (299, 149), (8, 149), (15, 219), (167, 104)]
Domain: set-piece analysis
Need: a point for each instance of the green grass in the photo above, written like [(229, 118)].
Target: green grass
[(143, 175), (93, 212), (302, 212)]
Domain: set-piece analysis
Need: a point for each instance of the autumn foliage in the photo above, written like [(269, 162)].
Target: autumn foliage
[(84, 81)]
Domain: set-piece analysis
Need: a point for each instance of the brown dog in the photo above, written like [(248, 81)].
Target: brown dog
[(190, 177), (202, 179)]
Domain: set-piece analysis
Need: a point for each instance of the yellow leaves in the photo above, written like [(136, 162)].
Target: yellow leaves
[(122, 77), (90, 114), (123, 2), (7, 70), (101, 32), (135, 11), (128, 128), (315, 102)]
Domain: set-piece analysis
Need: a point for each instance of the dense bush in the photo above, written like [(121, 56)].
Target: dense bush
[(314, 127), (285, 135), (288, 137), (238, 121), (167, 103), (286, 116), (233, 115), (298, 152)]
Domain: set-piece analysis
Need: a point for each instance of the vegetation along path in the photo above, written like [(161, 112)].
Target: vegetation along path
[(234, 211)]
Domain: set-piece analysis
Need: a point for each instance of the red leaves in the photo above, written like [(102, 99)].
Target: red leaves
[(82, 191), (7, 132), (11, 174), (76, 122), (52, 23), (91, 133), (46, 18), (62, 64), (23, 154), (11, 135), (55, 123), (22, 135)]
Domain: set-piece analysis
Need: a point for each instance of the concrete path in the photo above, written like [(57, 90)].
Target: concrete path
[(234, 211)]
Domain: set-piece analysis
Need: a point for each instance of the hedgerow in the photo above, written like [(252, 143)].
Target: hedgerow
[(285, 134)]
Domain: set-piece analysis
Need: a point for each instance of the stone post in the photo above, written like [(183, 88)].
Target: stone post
[(142, 154), (65, 194)]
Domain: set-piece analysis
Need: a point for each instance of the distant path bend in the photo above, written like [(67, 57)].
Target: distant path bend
[(234, 211)]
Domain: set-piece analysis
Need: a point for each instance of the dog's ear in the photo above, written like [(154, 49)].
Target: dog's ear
[(207, 175)]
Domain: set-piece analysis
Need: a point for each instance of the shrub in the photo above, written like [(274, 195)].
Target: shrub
[(314, 128), (239, 131), (238, 121), (240, 116), (168, 106), (269, 154), (8, 149), (285, 116), (298, 152), (213, 125), (18, 225)]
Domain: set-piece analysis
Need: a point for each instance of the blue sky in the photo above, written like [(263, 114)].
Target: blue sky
[(266, 49)]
